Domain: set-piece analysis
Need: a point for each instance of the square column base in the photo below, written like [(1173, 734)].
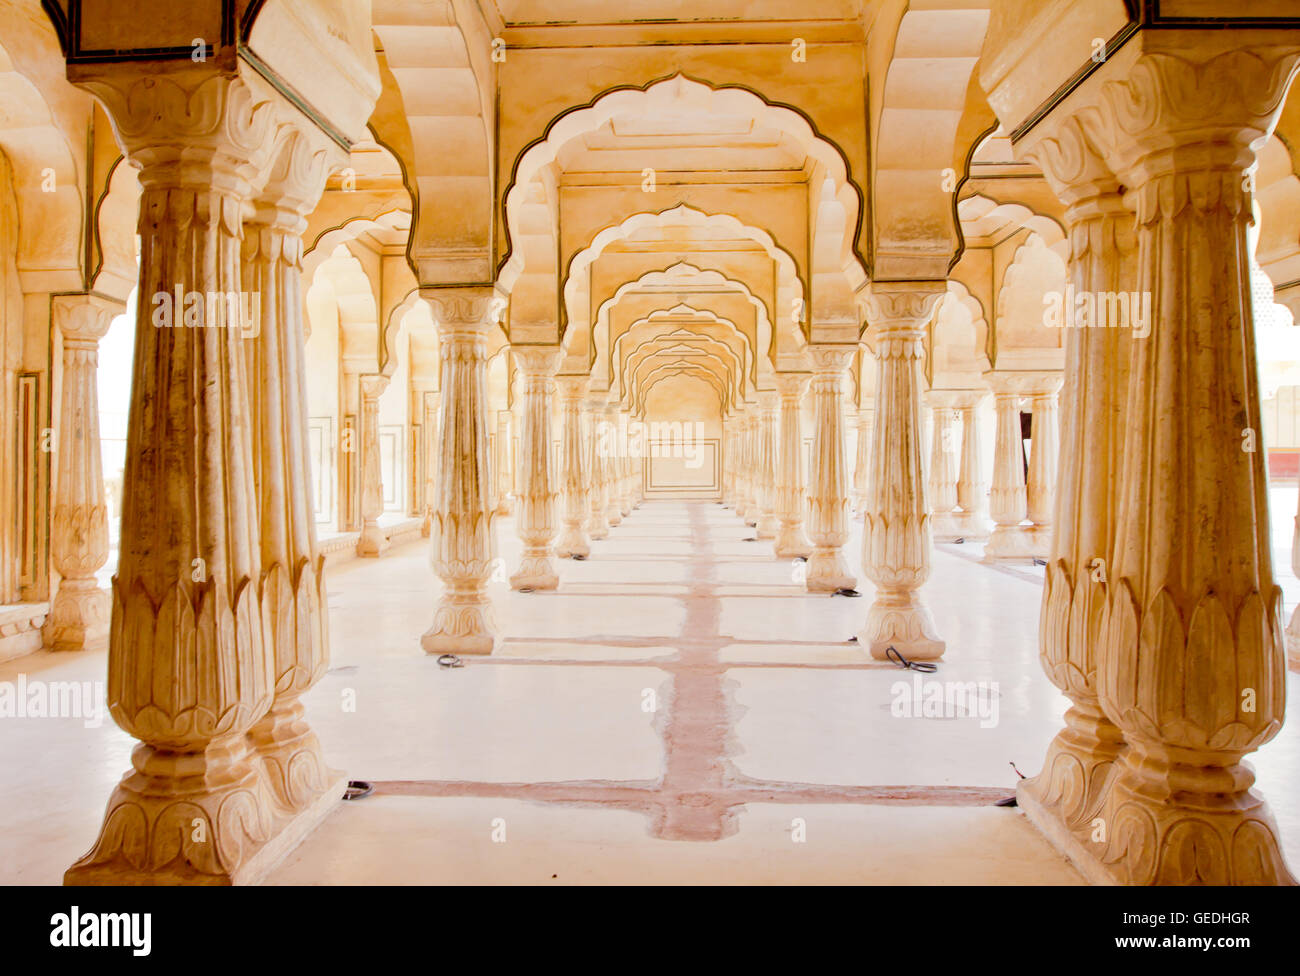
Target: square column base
[(1063, 839), (1018, 542)]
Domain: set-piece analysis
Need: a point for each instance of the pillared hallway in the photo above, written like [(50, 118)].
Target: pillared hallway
[(765, 758), (606, 348)]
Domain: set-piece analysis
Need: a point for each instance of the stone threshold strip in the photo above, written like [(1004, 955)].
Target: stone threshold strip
[(700, 793)]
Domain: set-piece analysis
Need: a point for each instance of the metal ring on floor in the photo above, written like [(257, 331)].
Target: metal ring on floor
[(450, 661)]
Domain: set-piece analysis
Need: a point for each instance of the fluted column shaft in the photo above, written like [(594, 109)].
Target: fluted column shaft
[(749, 477), (536, 520), (768, 521), (1045, 452), (896, 527), (625, 471), (598, 440), (1008, 501), (972, 492), (573, 459), (79, 523), (372, 540), (504, 468), (790, 540), (611, 457), (945, 525), (462, 543), (862, 456), (429, 428), (828, 498)]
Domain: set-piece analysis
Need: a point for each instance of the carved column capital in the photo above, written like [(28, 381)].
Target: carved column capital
[(537, 361), (303, 159), (197, 127), (467, 312), (573, 388), (901, 310), (791, 386), (826, 359), (85, 318), (373, 385)]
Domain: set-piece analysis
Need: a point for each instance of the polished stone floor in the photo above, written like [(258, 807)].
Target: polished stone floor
[(681, 710)]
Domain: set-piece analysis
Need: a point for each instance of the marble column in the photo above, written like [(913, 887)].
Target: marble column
[(463, 543), (189, 667), (1008, 501), (1044, 456), (748, 507), (610, 460), (429, 429), (729, 462), (373, 540), (292, 581), (828, 495), (972, 491), (1193, 665), (504, 463), (896, 527), (80, 611), (945, 522), (1065, 798), (768, 521), (536, 522), (790, 540), (862, 457), (574, 473), (625, 470), (598, 445), (739, 433)]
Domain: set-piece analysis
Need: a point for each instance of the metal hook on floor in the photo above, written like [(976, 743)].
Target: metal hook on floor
[(450, 661), (357, 788), (892, 654)]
